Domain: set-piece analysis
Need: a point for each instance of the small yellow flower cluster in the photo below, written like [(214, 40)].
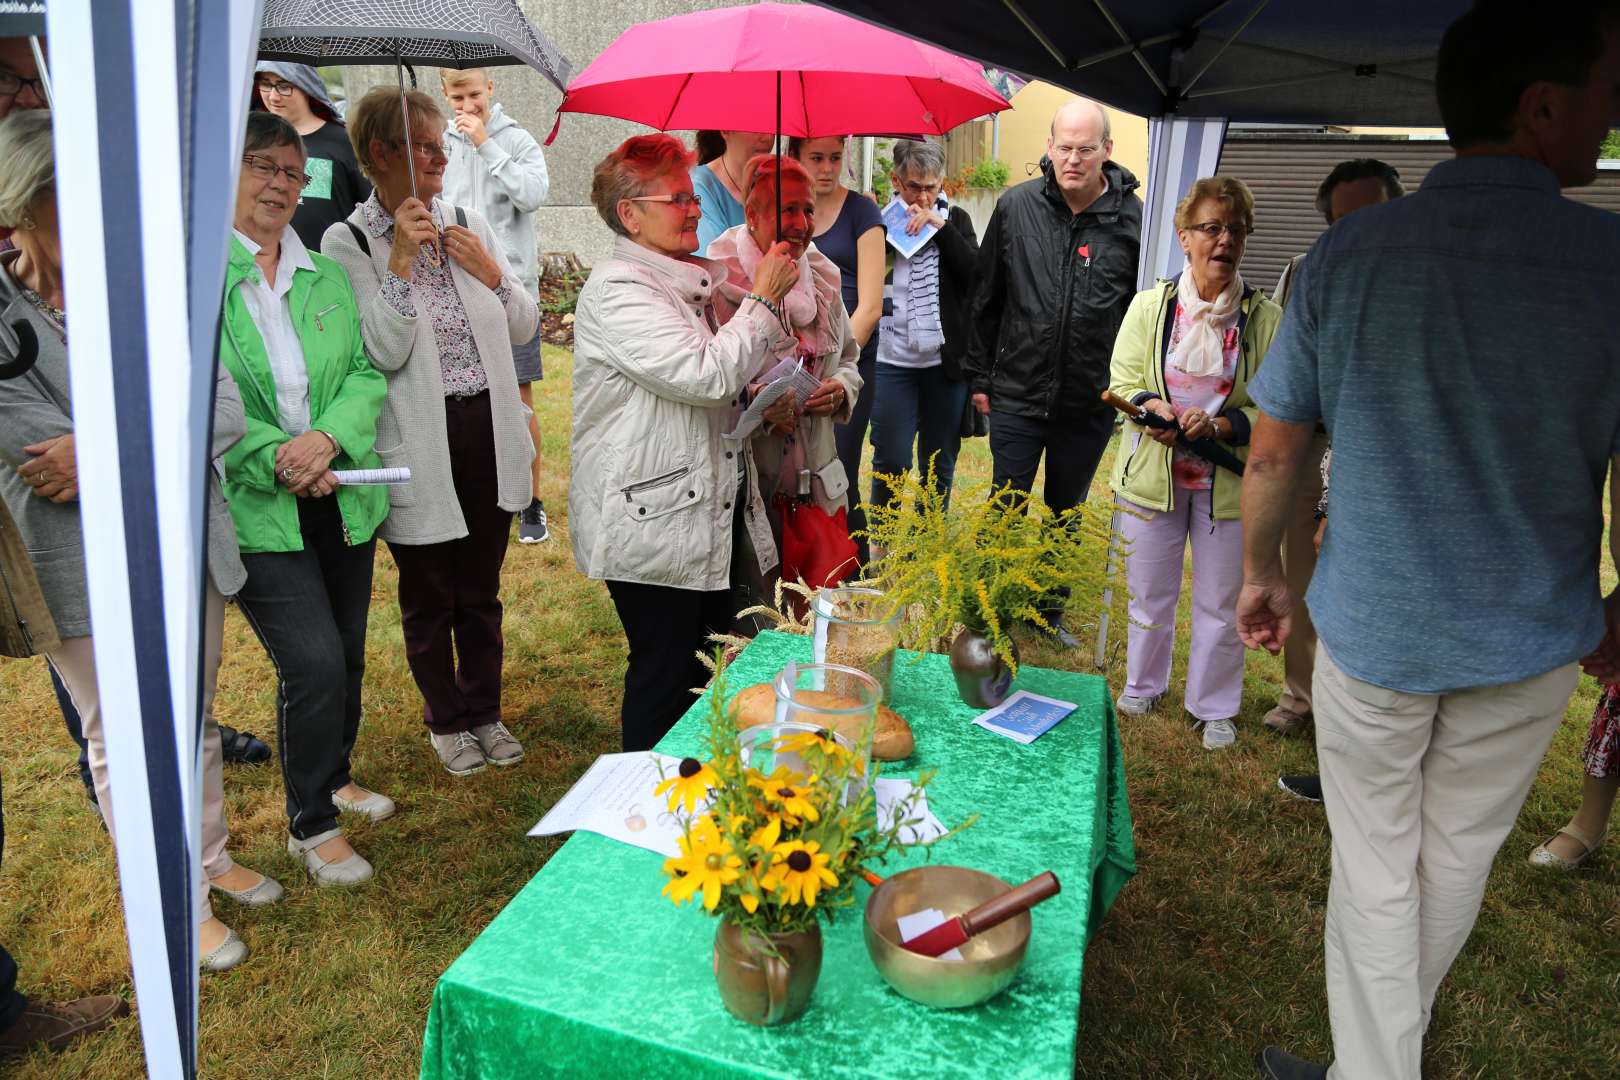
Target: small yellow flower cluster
[(772, 851)]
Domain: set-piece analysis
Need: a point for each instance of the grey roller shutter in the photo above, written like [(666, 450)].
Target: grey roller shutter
[(1285, 168)]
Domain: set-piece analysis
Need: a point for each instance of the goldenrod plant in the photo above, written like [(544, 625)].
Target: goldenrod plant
[(985, 562)]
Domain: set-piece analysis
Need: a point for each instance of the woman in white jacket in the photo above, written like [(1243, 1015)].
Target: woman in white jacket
[(658, 494)]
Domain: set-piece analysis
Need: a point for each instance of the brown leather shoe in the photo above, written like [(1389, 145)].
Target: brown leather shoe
[(55, 1024), (1286, 721)]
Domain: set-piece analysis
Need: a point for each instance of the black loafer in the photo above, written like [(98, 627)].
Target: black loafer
[(1278, 1064), (242, 747)]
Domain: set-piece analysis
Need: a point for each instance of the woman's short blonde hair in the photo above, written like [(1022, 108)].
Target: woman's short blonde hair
[(25, 147), (1226, 189), (630, 170), (376, 116)]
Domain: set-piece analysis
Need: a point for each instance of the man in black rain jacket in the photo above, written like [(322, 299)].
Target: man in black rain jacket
[(1057, 269)]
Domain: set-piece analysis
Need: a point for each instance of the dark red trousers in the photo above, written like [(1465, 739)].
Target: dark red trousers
[(450, 593)]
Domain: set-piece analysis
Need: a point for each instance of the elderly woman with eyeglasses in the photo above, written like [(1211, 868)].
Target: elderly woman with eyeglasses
[(291, 339), (1186, 352), (660, 502), (442, 308), (39, 483)]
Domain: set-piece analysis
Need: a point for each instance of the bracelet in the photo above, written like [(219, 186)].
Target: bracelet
[(336, 449), (772, 308)]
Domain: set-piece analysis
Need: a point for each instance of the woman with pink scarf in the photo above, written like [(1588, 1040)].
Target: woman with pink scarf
[(1186, 352), (798, 438)]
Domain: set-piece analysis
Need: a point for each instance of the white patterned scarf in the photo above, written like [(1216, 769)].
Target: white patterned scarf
[(1201, 349)]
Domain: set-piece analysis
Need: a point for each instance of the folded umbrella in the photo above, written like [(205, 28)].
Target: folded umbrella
[(1208, 449)]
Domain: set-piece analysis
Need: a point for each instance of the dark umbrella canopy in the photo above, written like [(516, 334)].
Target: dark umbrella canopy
[(1286, 61), (435, 33)]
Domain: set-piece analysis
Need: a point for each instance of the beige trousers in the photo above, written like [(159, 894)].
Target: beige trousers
[(1299, 563), (75, 662), (1420, 792)]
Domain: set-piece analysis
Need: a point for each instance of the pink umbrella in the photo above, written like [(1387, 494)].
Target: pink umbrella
[(795, 70)]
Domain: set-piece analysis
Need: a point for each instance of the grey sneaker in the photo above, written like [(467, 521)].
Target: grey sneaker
[(498, 745), (1219, 734), (1131, 705), (459, 753), (532, 527)]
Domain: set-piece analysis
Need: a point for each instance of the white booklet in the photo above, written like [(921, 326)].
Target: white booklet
[(895, 216), (615, 799), (1025, 717)]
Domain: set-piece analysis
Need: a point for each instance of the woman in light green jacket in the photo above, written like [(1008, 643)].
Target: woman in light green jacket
[(291, 339), (1186, 352)]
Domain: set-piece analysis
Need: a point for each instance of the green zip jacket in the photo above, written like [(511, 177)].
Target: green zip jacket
[(345, 395), (1142, 465)]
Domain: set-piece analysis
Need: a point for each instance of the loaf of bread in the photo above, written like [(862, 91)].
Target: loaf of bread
[(892, 741)]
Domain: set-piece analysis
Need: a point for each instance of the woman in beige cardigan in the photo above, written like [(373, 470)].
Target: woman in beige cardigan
[(441, 309)]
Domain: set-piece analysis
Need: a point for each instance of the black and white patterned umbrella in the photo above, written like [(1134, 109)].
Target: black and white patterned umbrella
[(435, 33)]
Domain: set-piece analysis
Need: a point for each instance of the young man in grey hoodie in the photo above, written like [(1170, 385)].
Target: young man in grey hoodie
[(499, 170)]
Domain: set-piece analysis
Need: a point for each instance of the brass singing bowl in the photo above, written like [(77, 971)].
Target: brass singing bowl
[(990, 961)]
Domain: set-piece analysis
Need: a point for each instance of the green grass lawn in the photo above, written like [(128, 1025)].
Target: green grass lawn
[(1214, 947)]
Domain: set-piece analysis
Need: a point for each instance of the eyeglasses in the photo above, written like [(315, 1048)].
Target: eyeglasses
[(430, 150), (12, 84), (278, 87), (915, 189), (266, 170), (1078, 153), (681, 200), (1213, 230)]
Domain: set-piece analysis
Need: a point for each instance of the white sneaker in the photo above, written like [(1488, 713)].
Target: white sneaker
[(1219, 734), (1131, 705)]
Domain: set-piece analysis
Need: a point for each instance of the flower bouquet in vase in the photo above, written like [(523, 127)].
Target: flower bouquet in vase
[(778, 823), (966, 572)]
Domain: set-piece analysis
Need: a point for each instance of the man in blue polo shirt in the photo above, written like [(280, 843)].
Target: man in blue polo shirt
[(1460, 346)]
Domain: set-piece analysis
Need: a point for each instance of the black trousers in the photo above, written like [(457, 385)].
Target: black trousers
[(12, 1004), (1073, 447), (309, 610), (666, 628)]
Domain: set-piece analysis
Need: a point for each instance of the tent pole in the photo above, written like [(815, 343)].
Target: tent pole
[(1136, 51), (1101, 654), (44, 72), (1244, 25)]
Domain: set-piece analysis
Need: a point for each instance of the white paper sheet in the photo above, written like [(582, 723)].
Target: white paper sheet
[(372, 476), (890, 794), (918, 923), (615, 799), (787, 377)]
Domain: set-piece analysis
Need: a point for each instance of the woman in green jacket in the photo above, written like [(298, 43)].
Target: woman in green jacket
[(291, 340), (1186, 352)]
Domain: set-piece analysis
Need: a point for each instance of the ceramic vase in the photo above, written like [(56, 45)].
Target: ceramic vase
[(766, 979), (983, 679)]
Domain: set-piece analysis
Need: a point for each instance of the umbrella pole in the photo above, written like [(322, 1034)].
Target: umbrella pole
[(778, 156), (405, 126)]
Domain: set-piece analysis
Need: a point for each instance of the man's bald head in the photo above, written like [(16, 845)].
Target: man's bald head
[(1083, 116), (1080, 143)]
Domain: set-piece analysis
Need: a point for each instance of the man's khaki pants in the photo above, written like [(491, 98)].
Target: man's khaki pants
[(1420, 791)]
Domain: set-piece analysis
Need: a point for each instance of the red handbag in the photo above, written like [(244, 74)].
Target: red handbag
[(816, 547)]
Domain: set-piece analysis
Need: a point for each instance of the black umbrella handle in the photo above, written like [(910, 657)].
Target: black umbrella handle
[(27, 351)]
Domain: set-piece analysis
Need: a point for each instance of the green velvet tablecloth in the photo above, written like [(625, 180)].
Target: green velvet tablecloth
[(589, 971)]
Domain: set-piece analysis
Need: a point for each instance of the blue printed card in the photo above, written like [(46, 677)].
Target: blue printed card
[(1025, 717)]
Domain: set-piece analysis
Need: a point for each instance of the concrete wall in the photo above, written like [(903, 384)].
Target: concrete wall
[(568, 222)]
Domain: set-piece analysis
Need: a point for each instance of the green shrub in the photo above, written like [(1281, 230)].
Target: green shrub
[(988, 173)]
